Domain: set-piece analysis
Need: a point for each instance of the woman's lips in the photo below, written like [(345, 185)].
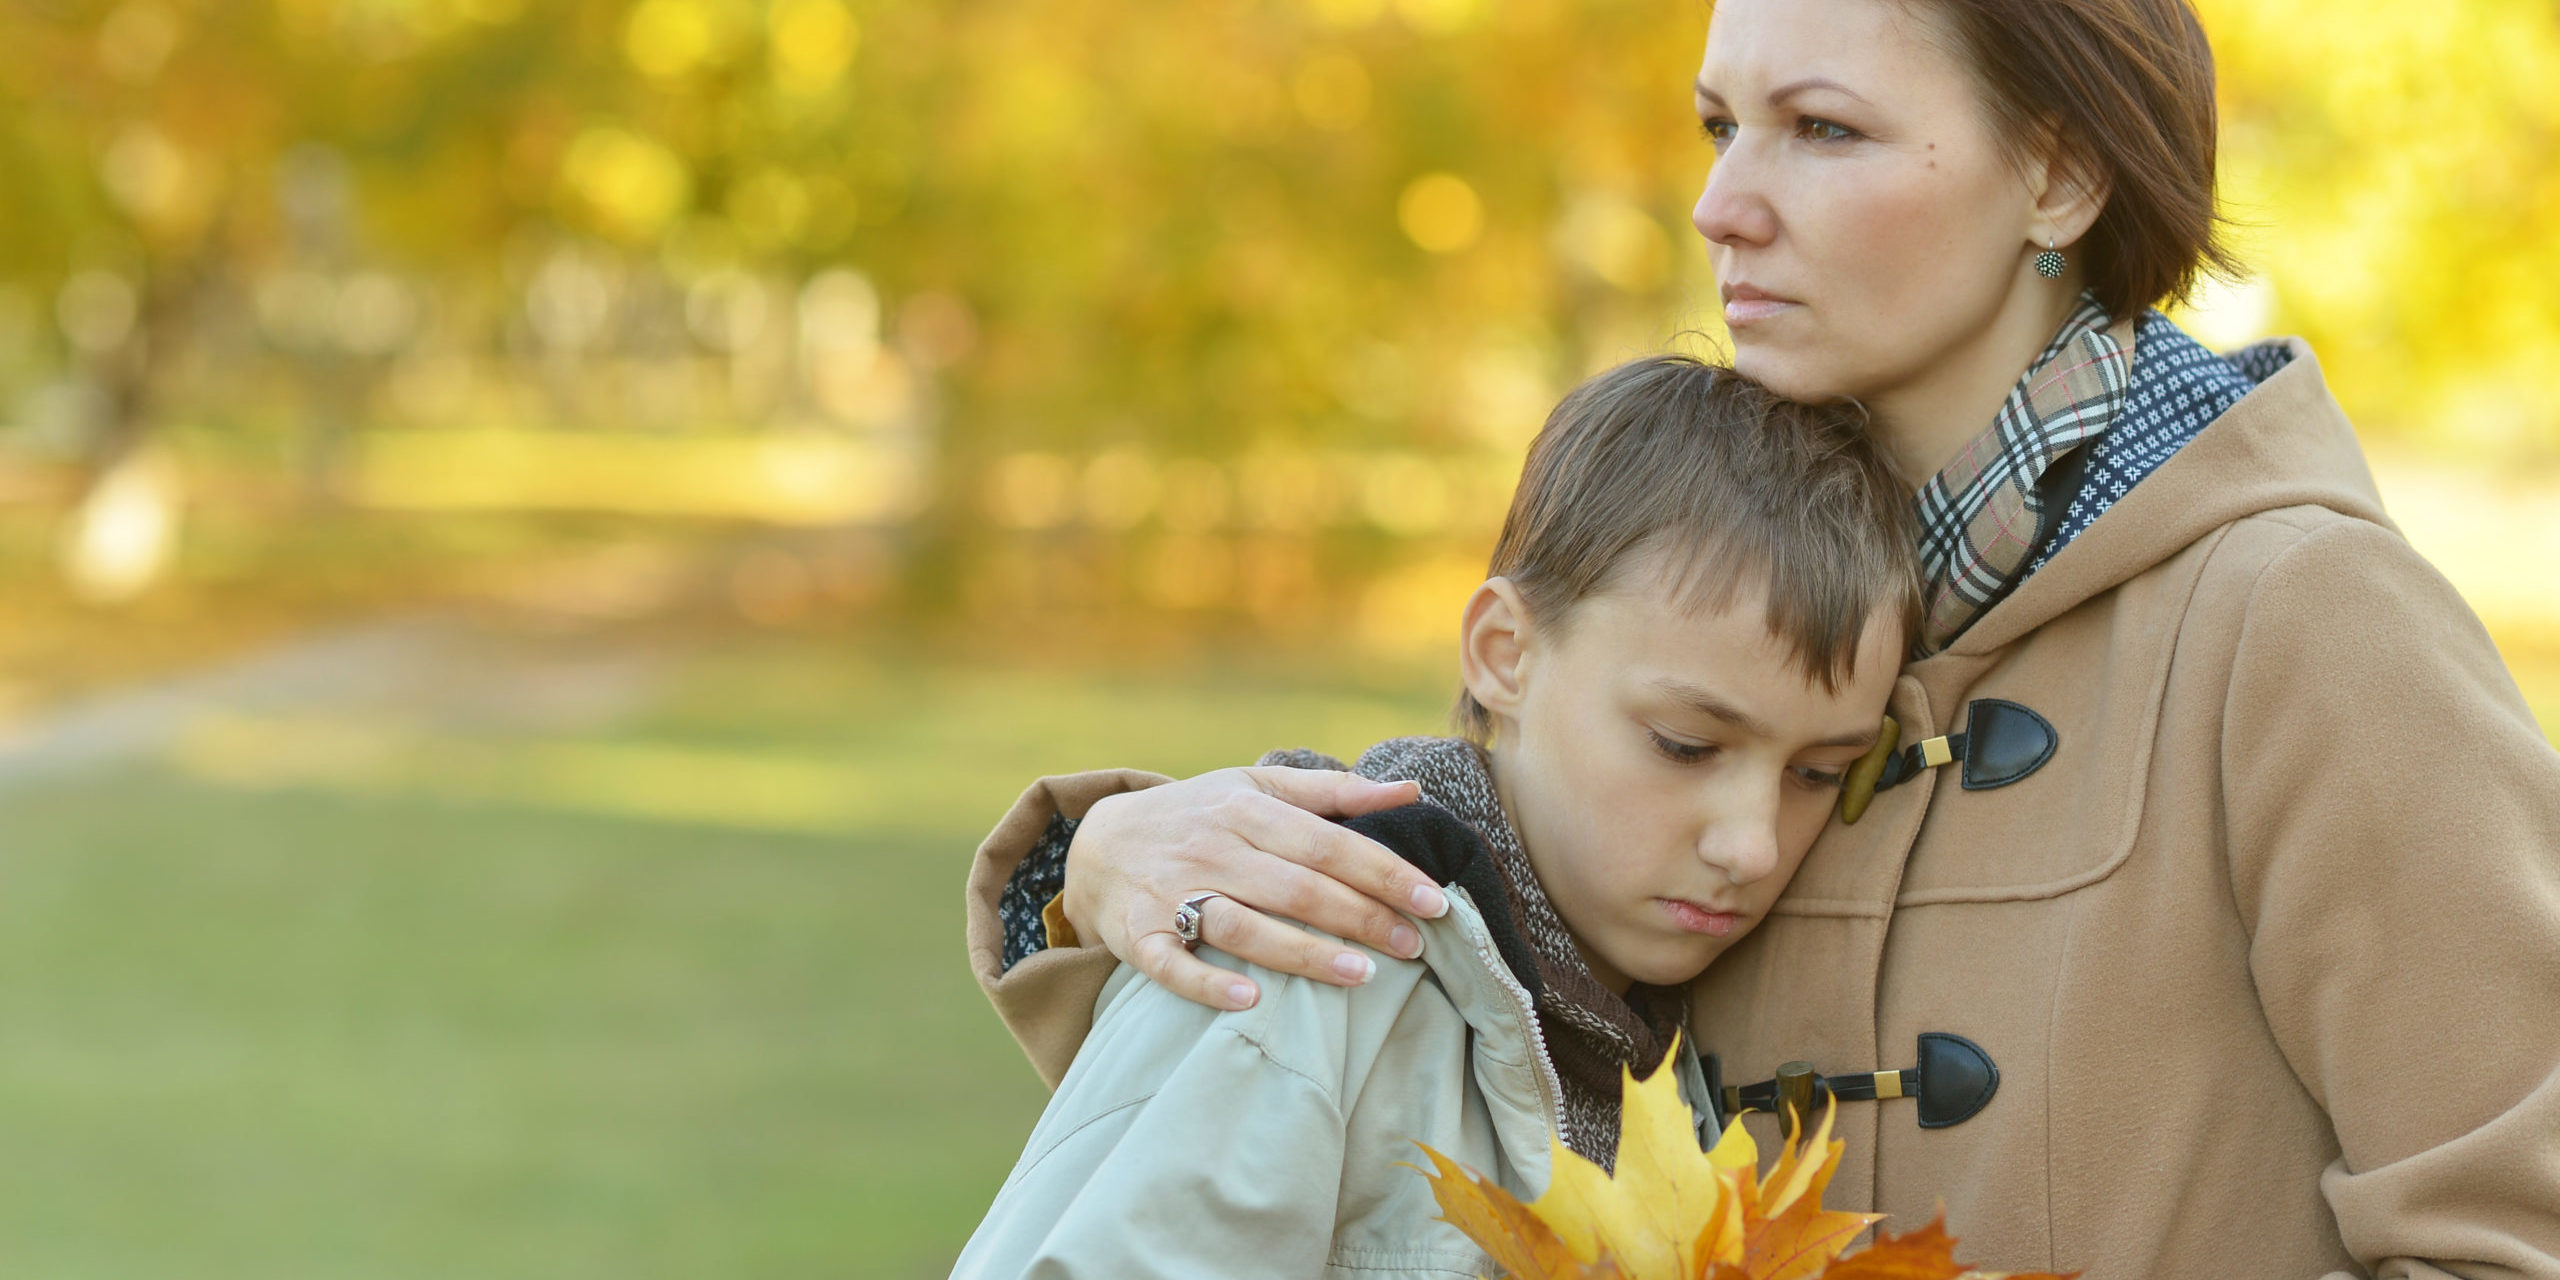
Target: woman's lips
[(1693, 918), (1745, 304)]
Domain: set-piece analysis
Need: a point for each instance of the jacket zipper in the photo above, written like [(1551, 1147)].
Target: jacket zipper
[(1550, 1088)]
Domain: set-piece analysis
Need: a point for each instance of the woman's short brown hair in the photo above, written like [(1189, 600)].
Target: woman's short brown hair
[(2123, 88), (1738, 485)]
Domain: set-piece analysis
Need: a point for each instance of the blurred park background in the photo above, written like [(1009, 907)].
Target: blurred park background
[(537, 533)]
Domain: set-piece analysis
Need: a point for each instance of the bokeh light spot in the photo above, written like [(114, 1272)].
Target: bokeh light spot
[(632, 183), (375, 314), (136, 40), (1440, 212), (1030, 491), (668, 38), (125, 532), (1613, 239), (840, 316), (152, 178), (813, 43)]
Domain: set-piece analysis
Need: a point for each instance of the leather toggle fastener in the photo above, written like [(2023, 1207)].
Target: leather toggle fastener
[(2002, 742), (1953, 1083)]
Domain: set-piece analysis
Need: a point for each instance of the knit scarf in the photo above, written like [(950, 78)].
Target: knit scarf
[(1983, 515), (1592, 1033)]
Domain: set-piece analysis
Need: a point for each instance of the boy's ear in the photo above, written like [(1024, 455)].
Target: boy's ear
[(1493, 647)]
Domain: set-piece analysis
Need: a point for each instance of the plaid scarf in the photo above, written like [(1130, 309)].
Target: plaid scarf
[(1981, 516)]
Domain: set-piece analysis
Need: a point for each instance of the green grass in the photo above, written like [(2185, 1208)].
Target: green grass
[(290, 1031), (271, 1020)]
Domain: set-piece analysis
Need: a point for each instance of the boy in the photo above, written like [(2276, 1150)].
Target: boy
[(1695, 614)]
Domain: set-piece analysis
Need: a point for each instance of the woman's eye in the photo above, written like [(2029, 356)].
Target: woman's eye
[(1680, 752), (1821, 130), (1820, 779), (1717, 131)]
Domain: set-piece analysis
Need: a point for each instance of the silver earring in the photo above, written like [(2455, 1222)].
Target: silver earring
[(2049, 262)]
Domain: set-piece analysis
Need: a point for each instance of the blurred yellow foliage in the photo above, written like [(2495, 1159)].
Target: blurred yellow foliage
[(1113, 272)]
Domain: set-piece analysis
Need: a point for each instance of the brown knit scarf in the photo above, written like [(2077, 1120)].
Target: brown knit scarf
[(1591, 1032)]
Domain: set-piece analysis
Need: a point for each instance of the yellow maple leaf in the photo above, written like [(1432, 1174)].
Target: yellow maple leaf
[(1673, 1212), (1520, 1243), (1926, 1254), (1670, 1212), (1791, 1236)]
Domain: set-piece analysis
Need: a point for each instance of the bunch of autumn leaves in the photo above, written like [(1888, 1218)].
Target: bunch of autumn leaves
[(1674, 1212)]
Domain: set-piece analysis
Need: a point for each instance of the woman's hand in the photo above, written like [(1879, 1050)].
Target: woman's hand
[(1261, 837)]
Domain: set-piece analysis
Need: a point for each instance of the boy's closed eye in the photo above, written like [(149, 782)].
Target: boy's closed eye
[(1680, 752)]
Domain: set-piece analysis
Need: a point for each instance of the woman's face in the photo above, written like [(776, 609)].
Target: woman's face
[(1865, 223)]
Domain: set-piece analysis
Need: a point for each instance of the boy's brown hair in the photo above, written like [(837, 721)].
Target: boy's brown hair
[(1737, 484)]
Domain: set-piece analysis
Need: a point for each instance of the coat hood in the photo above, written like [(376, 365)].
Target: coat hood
[(2285, 444)]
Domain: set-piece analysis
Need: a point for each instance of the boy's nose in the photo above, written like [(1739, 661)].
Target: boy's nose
[(1741, 839)]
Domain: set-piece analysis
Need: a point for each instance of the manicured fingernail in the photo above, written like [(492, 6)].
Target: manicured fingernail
[(1355, 967), (1240, 996), (1429, 903), (1404, 941)]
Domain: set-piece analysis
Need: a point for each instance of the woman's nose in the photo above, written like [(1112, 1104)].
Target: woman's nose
[(1733, 209)]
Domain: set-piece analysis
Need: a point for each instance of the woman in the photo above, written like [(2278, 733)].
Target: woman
[(2212, 907)]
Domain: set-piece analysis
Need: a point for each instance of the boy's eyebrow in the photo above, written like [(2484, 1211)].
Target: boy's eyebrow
[(1707, 702)]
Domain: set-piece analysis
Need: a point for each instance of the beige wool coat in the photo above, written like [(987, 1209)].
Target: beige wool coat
[(2267, 954)]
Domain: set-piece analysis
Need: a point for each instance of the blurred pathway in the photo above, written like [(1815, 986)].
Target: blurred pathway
[(444, 671)]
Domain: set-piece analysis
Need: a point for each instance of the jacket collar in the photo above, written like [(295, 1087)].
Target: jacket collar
[(1507, 1052)]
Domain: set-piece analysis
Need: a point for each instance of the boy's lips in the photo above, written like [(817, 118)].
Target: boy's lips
[(1694, 918)]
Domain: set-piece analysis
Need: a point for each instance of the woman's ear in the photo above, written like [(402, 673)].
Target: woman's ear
[(1494, 642), (2070, 192)]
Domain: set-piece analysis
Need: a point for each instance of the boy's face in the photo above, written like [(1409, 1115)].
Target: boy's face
[(1666, 768)]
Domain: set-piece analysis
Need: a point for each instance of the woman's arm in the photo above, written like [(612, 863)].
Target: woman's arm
[(2394, 836), (1143, 843)]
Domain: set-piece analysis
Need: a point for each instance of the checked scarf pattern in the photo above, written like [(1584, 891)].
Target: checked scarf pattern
[(1981, 515)]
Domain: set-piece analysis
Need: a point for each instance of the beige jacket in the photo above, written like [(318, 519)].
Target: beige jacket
[(2268, 954), (1277, 1141)]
